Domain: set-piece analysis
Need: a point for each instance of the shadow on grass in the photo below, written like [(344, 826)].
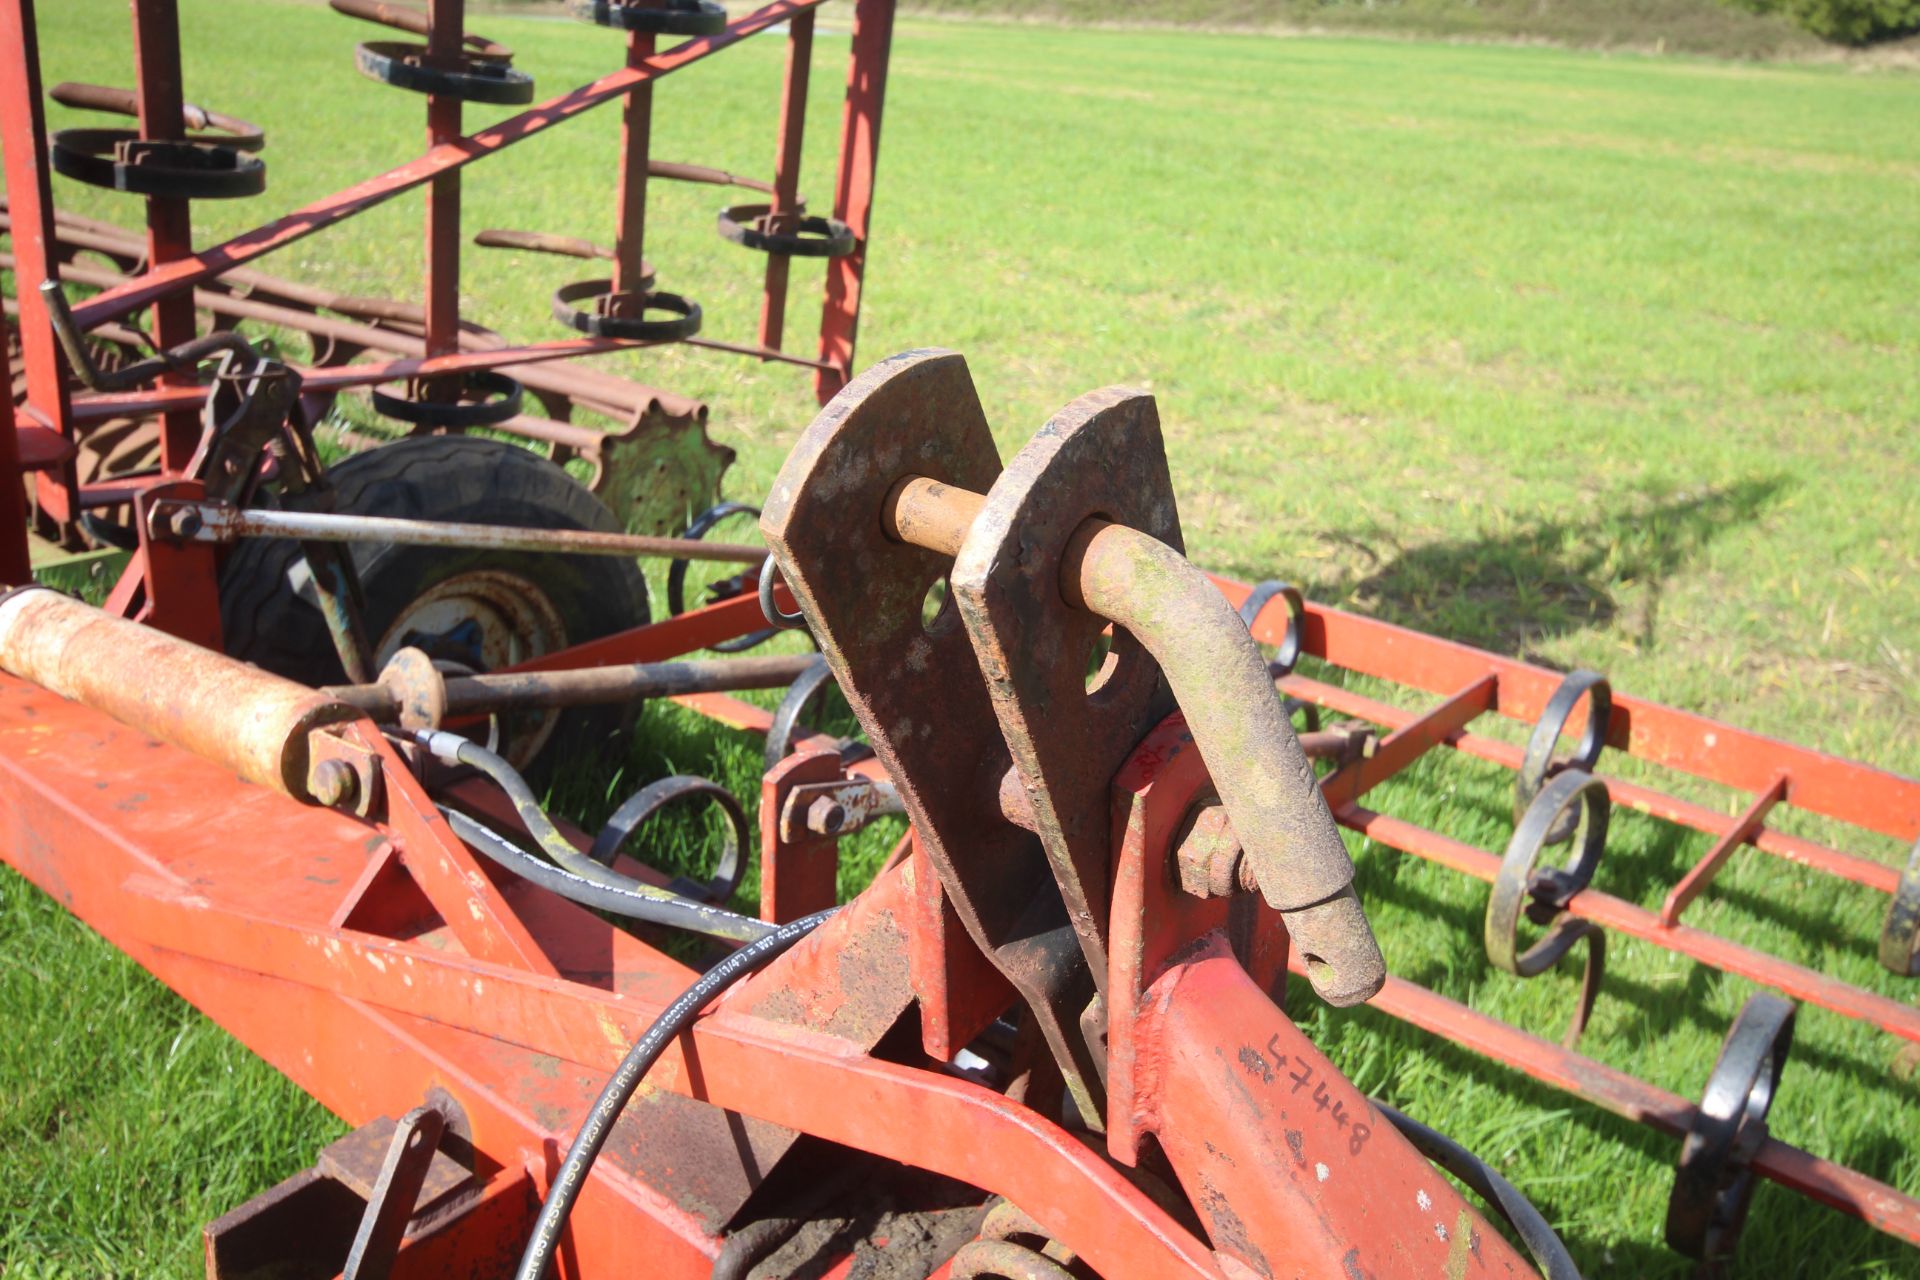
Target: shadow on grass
[(1546, 578)]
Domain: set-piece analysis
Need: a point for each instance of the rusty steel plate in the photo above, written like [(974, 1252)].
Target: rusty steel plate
[(1101, 456), (915, 685)]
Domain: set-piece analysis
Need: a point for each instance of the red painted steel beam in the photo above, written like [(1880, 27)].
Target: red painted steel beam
[(333, 209), (1411, 741), (786, 172), (1861, 871), (1278, 1148), (159, 96), (1825, 784), (1853, 1193), (29, 184), (1801, 983), (636, 144), (445, 28), (853, 189), (657, 641), (16, 560), (1695, 882)]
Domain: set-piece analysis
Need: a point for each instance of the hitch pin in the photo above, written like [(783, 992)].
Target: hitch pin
[(1264, 778)]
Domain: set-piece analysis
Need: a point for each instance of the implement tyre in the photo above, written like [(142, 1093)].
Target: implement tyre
[(477, 610)]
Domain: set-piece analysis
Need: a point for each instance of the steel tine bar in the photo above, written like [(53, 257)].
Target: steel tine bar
[(1834, 786), (1853, 1193), (1801, 983), (1847, 866), (1696, 880), (1412, 740), (447, 157)]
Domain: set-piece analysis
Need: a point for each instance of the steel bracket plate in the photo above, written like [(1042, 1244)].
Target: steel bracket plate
[(1100, 457), (915, 684)]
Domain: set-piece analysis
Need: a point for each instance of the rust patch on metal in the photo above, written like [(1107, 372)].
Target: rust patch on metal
[(914, 684), (1100, 457)]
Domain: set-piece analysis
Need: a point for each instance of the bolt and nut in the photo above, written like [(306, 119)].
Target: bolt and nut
[(826, 816), (332, 783), (1209, 857), (184, 522)]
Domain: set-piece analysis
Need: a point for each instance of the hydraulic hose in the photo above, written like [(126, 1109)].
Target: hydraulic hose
[(451, 748), (674, 1019), (631, 899), (1484, 1181)]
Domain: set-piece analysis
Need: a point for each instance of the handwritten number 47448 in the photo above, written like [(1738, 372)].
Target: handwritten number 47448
[(1357, 1131)]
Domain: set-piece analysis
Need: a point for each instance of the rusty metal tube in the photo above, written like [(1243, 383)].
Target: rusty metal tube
[(1220, 681), (588, 686), (215, 522), (220, 709), (929, 514), (1263, 776), (124, 102)]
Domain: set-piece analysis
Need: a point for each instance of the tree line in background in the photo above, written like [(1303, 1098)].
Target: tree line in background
[(1846, 21)]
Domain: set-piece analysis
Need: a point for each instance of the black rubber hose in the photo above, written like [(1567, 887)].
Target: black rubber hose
[(674, 1019), (452, 749), (1484, 1181), (655, 906)]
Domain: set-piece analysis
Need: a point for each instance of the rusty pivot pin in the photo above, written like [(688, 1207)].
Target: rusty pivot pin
[(1266, 784)]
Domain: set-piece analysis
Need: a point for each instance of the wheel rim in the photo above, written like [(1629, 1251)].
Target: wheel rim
[(485, 619)]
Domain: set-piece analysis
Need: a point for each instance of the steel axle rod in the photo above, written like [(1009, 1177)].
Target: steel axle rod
[(542, 690), (217, 522)]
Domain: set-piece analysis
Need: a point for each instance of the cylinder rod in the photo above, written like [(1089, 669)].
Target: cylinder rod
[(588, 686), (213, 522)]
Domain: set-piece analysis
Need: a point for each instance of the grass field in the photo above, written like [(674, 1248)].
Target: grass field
[(1680, 26), (1605, 361)]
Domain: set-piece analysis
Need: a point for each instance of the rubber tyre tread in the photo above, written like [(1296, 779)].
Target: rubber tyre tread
[(458, 478)]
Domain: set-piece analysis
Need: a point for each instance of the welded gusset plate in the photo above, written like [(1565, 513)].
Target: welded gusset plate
[(915, 685), (1102, 456)]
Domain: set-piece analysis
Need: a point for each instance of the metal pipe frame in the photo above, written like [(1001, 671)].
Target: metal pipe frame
[(1773, 773), (172, 267)]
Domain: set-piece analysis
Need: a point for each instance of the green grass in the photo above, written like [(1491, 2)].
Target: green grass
[(1603, 361), (1680, 26)]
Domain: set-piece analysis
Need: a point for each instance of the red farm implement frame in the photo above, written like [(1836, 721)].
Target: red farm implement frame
[(1046, 1040)]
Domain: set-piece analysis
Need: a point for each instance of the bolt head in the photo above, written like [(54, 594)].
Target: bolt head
[(826, 816), (331, 783), (1209, 857), (184, 523)]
